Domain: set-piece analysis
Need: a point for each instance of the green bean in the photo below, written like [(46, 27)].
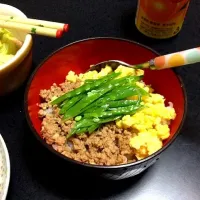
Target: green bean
[(90, 129), (81, 127), (90, 80), (72, 132), (106, 98), (93, 128), (95, 125), (125, 91), (77, 108), (85, 87), (136, 78), (100, 101), (63, 103), (68, 104), (124, 103), (109, 119), (97, 110), (141, 91), (84, 123), (121, 92), (92, 121), (81, 130), (121, 103), (77, 131), (120, 111), (78, 118), (116, 94), (116, 111)]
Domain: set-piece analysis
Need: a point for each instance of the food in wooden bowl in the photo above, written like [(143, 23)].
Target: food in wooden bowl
[(105, 118), (15, 54)]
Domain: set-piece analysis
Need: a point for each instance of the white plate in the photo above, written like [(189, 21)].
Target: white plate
[(4, 169)]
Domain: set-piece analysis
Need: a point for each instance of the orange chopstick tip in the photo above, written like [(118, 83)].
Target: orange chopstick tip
[(59, 33), (66, 27)]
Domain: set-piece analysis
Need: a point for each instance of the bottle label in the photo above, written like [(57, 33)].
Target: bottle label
[(161, 18)]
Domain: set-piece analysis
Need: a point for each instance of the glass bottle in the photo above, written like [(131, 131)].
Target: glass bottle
[(161, 19)]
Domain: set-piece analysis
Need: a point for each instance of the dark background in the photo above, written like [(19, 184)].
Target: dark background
[(37, 175)]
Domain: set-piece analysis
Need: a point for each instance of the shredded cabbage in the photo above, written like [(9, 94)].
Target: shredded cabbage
[(8, 46)]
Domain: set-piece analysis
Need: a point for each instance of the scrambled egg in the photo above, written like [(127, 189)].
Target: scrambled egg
[(151, 123), (125, 71), (72, 77)]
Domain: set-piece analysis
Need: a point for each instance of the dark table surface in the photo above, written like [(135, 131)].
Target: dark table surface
[(37, 175)]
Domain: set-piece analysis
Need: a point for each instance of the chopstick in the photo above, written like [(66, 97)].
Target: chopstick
[(36, 22), (34, 26)]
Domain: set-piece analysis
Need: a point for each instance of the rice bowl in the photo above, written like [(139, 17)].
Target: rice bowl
[(77, 57)]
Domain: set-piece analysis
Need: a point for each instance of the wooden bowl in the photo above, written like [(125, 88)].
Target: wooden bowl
[(14, 72)]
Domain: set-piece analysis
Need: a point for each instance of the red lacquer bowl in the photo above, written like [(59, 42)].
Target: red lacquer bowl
[(78, 56)]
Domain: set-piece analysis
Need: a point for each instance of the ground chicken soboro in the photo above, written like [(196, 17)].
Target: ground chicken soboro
[(107, 146), (132, 137)]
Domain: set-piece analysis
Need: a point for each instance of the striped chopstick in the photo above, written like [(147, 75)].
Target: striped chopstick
[(34, 26)]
